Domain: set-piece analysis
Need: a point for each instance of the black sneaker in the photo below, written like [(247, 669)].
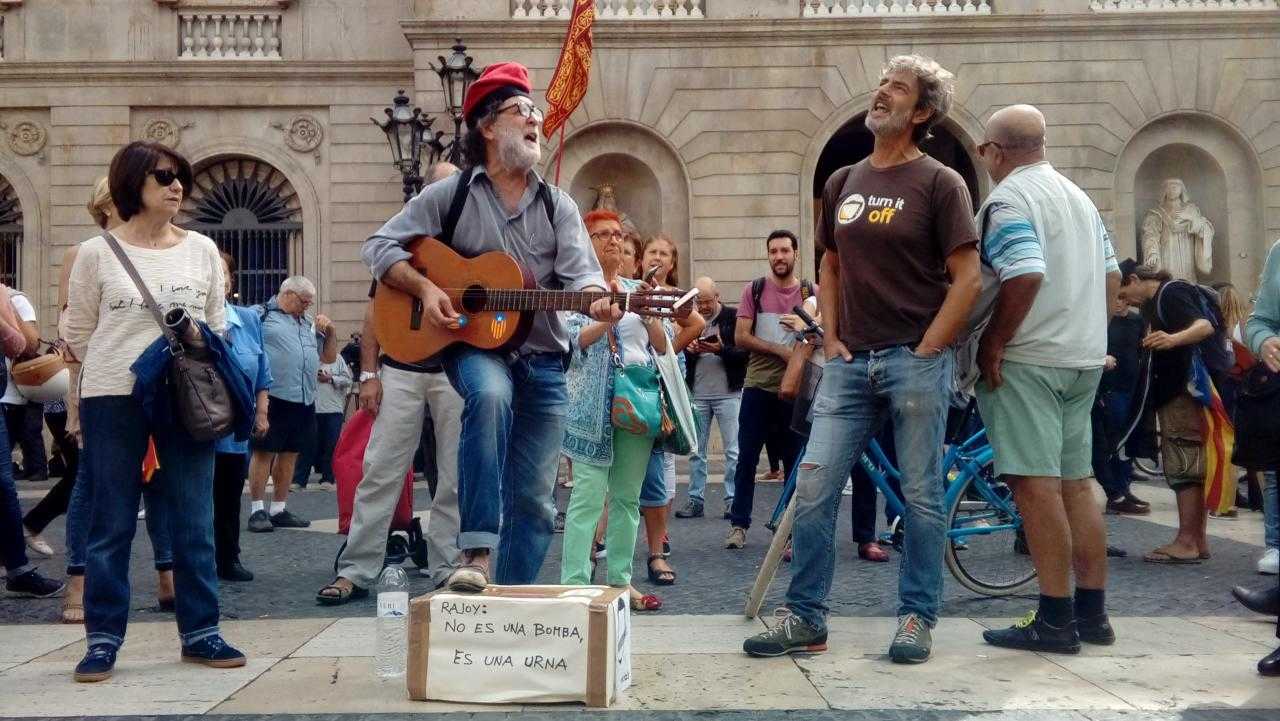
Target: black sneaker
[(792, 634), (1033, 634), (213, 651), (285, 519), (97, 663), (260, 522), (32, 585), (692, 509), (233, 571), (1096, 630)]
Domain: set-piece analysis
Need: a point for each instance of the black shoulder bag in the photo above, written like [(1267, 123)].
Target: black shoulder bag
[(200, 396)]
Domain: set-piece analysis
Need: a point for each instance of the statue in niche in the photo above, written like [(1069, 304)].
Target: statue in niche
[(1176, 236)]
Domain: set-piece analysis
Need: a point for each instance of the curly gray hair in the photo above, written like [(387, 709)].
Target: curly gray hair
[(937, 88)]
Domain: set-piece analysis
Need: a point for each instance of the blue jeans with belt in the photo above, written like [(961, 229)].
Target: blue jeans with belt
[(854, 398), (115, 441), (513, 418)]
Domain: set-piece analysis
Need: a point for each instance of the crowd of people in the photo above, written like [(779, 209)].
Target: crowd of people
[(1024, 307)]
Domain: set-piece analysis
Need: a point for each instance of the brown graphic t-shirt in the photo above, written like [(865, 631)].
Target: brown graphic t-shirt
[(893, 228)]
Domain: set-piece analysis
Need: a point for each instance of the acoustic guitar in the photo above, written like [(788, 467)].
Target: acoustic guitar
[(495, 298)]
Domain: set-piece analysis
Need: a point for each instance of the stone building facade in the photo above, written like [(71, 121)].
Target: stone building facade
[(714, 120)]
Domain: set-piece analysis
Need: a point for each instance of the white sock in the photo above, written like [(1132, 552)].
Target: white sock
[(277, 507), (255, 506)]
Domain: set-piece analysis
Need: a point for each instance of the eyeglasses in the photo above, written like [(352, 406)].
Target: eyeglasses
[(525, 110), (163, 176), (607, 235), (305, 300)]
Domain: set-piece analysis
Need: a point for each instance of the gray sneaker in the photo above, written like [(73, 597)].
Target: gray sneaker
[(791, 634), (737, 538), (260, 522), (913, 642)]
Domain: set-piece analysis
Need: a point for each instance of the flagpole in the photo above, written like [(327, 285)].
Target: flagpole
[(560, 155)]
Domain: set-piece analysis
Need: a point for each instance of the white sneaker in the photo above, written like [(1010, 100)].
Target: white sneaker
[(40, 546), (1269, 564)]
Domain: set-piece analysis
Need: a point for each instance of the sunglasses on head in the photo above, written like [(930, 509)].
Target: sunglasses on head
[(164, 176)]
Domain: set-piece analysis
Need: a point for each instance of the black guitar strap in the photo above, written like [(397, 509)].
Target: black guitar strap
[(459, 201)]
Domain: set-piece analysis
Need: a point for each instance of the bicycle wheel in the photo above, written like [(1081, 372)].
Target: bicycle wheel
[(982, 551)]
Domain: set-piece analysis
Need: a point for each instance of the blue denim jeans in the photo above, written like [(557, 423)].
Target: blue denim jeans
[(115, 441), (854, 399), (1270, 510), (724, 411), (512, 427), (13, 547), (78, 524), (318, 453), (761, 416)]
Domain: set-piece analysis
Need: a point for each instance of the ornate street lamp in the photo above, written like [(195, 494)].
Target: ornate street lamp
[(456, 75), (405, 128)]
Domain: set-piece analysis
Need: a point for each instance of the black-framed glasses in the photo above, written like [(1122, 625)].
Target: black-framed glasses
[(164, 176), (525, 110), (607, 235)]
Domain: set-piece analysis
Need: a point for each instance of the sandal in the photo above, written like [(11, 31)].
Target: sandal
[(1160, 555), (646, 602), (343, 594), (666, 577), (73, 613)]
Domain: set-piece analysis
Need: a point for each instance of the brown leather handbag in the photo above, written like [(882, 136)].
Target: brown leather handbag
[(793, 376)]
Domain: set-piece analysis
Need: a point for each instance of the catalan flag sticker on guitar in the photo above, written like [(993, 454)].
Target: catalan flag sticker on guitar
[(498, 325)]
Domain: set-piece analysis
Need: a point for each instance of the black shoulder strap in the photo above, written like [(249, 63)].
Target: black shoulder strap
[(147, 298), (548, 203), (456, 205), (757, 291)]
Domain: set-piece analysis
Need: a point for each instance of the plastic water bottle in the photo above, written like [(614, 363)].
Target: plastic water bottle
[(393, 614)]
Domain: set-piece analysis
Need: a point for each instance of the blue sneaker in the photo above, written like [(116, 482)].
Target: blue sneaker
[(97, 664), (213, 651)]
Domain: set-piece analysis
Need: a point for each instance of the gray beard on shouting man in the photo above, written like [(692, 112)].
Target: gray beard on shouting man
[(515, 153)]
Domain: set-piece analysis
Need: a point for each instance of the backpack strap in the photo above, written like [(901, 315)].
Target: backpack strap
[(548, 203), (757, 291), (456, 205)]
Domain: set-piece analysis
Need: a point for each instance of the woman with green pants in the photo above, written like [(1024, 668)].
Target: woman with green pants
[(607, 461)]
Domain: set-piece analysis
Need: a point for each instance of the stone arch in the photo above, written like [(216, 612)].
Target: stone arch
[(308, 252), (650, 180), (959, 125), (1223, 177), (29, 259)]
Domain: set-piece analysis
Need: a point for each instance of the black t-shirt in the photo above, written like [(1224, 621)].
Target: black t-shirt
[(1124, 341), (1179, 308)]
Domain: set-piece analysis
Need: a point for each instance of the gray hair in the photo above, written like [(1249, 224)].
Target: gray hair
[(298, 284), (937, 89)]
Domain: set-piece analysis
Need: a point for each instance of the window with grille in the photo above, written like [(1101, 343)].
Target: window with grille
[(10, 234), (252, 212)]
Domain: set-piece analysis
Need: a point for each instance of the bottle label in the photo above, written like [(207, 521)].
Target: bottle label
[(393, 604)]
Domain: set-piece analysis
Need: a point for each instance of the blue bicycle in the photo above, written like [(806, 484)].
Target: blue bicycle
[(984, 552)]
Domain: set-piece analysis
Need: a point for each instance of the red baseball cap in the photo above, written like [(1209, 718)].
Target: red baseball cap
[(497, 83)]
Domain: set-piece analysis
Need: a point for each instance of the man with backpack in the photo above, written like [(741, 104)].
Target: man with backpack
[(514, 401), (766, 328), (1186, 331)]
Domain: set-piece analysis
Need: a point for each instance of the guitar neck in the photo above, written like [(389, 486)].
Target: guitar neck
[(551, 300)]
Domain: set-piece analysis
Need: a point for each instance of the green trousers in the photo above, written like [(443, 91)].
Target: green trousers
[(621, 482)]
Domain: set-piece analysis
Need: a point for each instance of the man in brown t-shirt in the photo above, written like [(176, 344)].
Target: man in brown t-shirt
[(897, 283)]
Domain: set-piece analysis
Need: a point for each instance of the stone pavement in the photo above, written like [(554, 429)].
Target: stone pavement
[(681, 663)]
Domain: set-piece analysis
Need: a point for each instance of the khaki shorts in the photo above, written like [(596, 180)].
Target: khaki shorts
[(1038, 421), (1182, 441)]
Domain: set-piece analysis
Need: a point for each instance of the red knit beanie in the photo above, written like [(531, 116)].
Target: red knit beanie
[(497, 83)]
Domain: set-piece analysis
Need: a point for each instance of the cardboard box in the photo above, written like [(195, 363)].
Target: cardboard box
[(521, 644)]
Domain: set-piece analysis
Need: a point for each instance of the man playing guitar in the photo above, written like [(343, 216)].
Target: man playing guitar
[(514, 402)]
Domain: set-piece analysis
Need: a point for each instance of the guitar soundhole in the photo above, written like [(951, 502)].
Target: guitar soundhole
[(473, 299)]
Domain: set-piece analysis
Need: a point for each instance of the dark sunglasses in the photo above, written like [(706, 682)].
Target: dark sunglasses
[(164, 176)]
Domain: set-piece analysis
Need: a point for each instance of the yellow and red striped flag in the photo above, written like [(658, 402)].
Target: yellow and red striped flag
[(1219, 440)]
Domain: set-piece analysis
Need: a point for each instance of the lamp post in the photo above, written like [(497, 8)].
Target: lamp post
[(456, 75), (405, 128)]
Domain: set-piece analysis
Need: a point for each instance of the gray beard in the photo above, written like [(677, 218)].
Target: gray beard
[(513, 154), (890, 126)]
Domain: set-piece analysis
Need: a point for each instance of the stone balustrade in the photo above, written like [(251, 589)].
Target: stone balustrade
[(229, 35), (610, 9), (848, 8), (1164, 6)]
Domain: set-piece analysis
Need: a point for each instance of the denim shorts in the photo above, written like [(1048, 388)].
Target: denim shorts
[(653, 494)]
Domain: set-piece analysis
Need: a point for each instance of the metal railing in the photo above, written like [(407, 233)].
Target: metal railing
[(261, 253), (10, 254)]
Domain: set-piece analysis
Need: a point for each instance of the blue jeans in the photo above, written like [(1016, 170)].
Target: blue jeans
[(762, 415), (1270, 510), (78, 523), (13, 547), (724, 410), (115, 441), (318, 453), (854, 399), (512, 426)]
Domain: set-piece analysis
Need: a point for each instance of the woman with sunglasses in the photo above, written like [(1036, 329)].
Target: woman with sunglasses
[(108, 327)]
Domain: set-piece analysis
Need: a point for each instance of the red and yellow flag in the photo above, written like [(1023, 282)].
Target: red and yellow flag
[(573, 72), (1219, 440)]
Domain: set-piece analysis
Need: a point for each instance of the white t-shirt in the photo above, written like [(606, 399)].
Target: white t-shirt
[(27, 314), (107, 325), (633, 340)]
